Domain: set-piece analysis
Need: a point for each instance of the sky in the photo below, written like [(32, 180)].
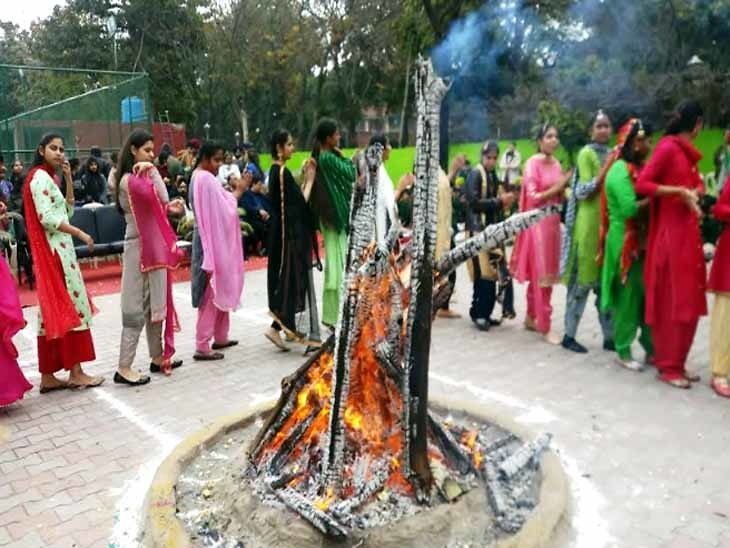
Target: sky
[(23, 12)]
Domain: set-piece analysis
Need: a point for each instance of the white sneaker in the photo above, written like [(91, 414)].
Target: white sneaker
[(632, 365)]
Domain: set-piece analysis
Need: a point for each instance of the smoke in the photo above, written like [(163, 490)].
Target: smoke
[(571, 56)]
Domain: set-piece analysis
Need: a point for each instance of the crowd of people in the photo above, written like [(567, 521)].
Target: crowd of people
[(629, 234)]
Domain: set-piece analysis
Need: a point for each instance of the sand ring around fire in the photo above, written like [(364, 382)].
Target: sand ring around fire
[(163, 526)]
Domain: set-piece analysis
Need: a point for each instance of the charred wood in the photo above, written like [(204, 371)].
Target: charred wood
[(527, 455)]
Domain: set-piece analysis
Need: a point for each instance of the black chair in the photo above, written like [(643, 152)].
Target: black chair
[(83, 218), (110, 226)]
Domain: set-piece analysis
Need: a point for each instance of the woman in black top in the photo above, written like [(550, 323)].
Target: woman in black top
[(292, 249)]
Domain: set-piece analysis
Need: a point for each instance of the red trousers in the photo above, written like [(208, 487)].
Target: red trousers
[(672, 339), (539, 308), (57, 354)]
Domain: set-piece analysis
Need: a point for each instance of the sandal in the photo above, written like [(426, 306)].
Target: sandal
[(682, 383), (95, 381), (154, 368), (121, 379), (631, 365), (276, 341), (530, 324), (213, 356), (48, 389), (692, 377), (221, 346), (721, 386)]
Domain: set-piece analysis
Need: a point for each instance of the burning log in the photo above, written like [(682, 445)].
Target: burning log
[(495, 494), (290, 386), (492, 236), (322, 520), (500, 443), (361, 235), (285, 449), (430, 91), (343, 509), (527, 455), (450, 447)]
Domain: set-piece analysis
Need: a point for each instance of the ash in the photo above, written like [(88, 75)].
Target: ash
[(222, 507)]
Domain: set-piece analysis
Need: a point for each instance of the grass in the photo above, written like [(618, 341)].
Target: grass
[(401, 159)]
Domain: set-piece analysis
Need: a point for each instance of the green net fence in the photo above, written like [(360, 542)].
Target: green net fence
[(87, 108)]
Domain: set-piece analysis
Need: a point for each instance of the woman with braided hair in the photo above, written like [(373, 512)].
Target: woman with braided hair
[(623, 239)]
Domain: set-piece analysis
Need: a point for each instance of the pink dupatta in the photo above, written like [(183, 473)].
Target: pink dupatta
[(216, 218), (158, 246)]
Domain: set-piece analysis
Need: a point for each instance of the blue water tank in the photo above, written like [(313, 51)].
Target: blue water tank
[(133, 110)]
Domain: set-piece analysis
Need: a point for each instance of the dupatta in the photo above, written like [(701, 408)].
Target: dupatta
[(57, 311), (158, 247), (218, 225)]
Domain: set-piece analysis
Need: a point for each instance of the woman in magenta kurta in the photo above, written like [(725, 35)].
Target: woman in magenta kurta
[(13, 383), (719, 284), (536, 256), (674, 271)]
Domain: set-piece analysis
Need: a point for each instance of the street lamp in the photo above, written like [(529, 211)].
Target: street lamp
[(206, 127), (238, 138), (111, 27)]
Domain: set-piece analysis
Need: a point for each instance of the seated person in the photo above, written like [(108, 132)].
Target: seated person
[(258, 212), (6, 186), (92, 185), (228, 169)]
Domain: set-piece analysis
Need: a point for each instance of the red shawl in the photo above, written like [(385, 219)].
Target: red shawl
[(57, 310), (632, 233), (158, 246)]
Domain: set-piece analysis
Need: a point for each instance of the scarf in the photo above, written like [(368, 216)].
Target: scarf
[(632, 235), (218, 224), (158, 248), (57, 311)]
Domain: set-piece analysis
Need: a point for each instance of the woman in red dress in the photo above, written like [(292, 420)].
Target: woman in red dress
[(675, 264)]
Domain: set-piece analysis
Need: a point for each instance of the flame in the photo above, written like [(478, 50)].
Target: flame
[(323, 503), (469, 439)]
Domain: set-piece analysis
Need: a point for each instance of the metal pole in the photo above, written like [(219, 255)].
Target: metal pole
[(115, 51), (69, 69)]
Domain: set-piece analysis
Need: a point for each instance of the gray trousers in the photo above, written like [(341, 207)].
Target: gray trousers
[(137, 307), (576, 304)]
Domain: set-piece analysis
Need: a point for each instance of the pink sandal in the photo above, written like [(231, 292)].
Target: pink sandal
[(721, 386)]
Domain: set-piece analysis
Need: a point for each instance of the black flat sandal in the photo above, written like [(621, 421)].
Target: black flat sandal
[(154, 368), (220, 346), (143, 379)]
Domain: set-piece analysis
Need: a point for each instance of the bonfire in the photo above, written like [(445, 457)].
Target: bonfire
[(351, 442)]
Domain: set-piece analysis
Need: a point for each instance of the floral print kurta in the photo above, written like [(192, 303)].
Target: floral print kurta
[(53, 210)]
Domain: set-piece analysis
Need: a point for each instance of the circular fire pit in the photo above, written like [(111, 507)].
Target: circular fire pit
[(200, 496)]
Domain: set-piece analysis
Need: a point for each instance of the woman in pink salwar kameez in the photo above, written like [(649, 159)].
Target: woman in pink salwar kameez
[(536, 256), (13, 384), (217, 261)]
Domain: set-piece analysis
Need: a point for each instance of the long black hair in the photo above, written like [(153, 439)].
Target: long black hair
[(207, 151), (39, 160), (320, 199), (136, 139), (685, 117), (325, 128), (278, 139)]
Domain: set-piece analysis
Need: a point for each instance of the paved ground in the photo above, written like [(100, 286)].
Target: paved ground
[(648, 464)]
